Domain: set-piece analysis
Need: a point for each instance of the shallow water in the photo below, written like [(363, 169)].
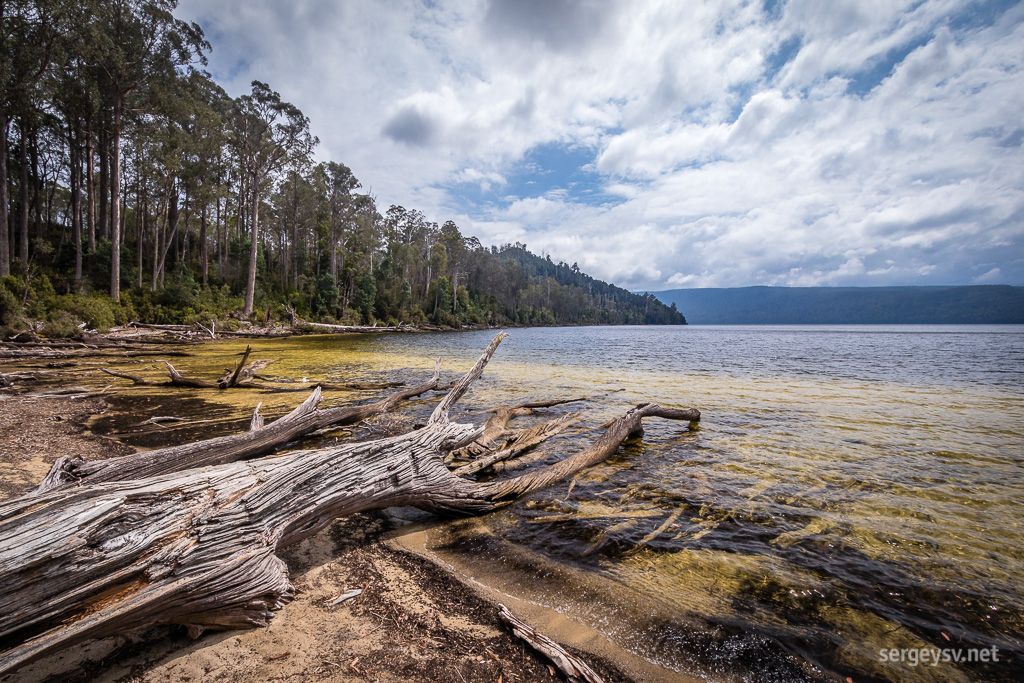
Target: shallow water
[(849, 489)]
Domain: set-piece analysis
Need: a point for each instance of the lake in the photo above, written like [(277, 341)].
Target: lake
[(851, 497)]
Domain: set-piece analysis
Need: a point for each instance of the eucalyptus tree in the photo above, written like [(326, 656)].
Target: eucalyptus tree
[(132, 42), (202, 159), (296, 205), (27, 42), (342, 205), (268, 134)]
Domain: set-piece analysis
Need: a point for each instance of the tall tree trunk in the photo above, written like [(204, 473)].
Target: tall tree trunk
[(333, 245), (90, 179), (37, 186), (295, 254), (161, 219), (5, 254), (183, 259), (140, 229), (75, 177), (204, 252), (115, 204), (171, 228), (23, 192), (221, 239), (250, 284), (104, 191)]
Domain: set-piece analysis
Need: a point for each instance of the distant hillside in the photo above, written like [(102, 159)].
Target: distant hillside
[(559, 294), (977, 304)]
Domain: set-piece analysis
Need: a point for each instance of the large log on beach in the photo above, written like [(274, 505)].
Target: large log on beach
[(199, 547)]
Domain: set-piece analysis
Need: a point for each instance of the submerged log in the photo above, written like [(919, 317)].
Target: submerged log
[(198, 547)]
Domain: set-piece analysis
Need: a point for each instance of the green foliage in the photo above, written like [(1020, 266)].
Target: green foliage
[(61, 324), (99, 313), (10, 306)]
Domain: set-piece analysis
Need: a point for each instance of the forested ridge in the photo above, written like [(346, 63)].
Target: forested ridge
[(133, 187)]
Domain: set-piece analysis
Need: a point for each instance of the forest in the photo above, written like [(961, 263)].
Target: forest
[(133, 187)]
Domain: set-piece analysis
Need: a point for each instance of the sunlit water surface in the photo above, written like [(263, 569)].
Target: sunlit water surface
[(849, 489)]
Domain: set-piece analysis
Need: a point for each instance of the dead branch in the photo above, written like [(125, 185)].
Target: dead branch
[(178, 380), (521, 442), (574, 668), (134, 378)]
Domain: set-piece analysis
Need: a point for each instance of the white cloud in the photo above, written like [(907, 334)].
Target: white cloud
[(887, 150)]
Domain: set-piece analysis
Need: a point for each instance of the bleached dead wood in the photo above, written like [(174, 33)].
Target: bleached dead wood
[(520, 443), (298, 323), (198, 547)]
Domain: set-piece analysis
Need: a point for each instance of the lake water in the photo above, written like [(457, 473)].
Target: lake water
[(850, 490)]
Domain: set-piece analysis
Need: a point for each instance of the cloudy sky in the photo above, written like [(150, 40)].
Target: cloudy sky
[(670, 144)]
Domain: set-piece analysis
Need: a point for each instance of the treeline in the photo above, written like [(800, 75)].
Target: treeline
[(133, 186)]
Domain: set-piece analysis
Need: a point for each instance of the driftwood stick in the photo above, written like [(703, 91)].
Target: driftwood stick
[(331, 386), (257, 420), (662, 528), (573, 667), (233, 380), (178, 380)]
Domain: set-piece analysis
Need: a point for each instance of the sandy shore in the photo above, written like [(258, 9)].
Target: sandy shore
[(415, 621)]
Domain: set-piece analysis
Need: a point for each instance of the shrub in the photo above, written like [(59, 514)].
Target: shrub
[(61, 324), (98, 312)]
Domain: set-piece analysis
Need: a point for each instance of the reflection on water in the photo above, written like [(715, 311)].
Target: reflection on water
[(850, 489)]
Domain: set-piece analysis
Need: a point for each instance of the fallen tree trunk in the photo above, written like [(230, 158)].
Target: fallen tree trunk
[(260, 439), (198, 547), (299, 323)]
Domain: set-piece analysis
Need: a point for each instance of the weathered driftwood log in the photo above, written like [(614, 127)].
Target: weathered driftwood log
[(260, 439), (521, 442), (299, 323), (329, 386), (198, 547), (574, 668)]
